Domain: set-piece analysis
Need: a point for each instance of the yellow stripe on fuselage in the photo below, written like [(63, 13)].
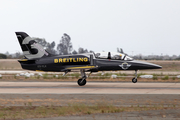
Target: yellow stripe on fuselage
[(39, 71), (24, 60), (83, 67)]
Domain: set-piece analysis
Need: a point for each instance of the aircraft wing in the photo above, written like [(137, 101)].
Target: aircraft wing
[(86, 67)]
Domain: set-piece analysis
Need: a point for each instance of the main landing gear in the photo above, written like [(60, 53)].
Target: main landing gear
[(134, 80), (82, 81)]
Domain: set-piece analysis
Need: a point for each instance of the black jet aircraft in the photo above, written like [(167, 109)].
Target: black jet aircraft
[(38, 59)]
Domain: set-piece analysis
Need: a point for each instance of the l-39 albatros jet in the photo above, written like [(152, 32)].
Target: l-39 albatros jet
[(38, 59)]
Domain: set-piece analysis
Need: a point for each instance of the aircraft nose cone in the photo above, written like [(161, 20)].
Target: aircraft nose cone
[(146, 65), (154, 66)]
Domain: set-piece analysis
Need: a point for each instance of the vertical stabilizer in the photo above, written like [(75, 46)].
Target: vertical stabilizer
[(31, 49)]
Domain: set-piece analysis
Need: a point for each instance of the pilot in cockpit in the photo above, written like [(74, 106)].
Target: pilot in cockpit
[(112, 55)]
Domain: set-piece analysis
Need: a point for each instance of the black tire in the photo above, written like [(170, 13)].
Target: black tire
[(81, 82), (134, 80)]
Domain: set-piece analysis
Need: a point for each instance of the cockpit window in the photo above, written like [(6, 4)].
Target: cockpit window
[(128, 58), (117, 57), (113, 56), (97, 55)]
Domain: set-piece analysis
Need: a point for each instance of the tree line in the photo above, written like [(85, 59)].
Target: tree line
[(64, 47)]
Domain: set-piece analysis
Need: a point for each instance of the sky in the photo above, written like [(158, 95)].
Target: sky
[(147, 27)]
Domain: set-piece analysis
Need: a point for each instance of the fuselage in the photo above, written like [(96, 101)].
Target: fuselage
[(89, 62)]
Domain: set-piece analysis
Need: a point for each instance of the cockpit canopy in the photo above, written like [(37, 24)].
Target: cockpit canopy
[(112, 55)]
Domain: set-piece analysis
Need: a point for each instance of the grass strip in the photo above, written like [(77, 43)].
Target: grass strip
[(25, 112)]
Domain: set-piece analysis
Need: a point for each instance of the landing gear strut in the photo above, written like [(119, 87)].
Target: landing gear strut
[(134, 80), (82, 81)]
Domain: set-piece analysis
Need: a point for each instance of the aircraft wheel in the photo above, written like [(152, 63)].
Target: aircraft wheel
[(134, 80), (81, 82)]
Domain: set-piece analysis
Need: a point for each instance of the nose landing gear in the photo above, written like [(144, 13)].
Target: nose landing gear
[(134, 80)]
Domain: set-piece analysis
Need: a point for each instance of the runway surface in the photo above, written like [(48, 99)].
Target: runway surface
[(93, 93), (89, 88)]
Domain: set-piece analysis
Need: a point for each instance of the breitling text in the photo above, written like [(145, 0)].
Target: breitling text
[(66, 60)]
